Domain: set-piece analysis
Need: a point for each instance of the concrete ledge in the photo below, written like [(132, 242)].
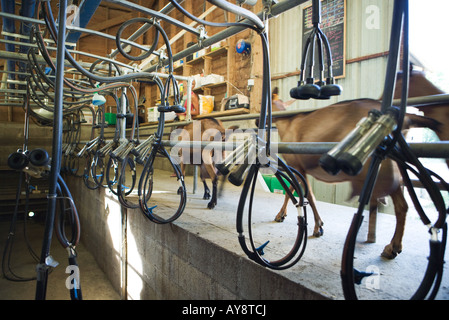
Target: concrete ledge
[(178, 260), (199, 257)]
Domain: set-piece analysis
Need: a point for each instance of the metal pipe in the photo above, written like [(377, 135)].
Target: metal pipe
[(71, 28), (72, 51), (393, 57), (23, 57), (417, 101), (189, 100), (424, 100), (231, 31), (239, 11), (21, 36), (23, 92), (156, 14), (422, 150), (124, 254)]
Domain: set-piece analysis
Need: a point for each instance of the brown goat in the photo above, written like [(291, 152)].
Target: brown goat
[(206, 129), (337, 121), (440, 112)]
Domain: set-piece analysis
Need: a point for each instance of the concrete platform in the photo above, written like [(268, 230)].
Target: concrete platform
[(319, 268)]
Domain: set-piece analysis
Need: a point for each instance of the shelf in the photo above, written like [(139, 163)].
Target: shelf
[(210, 54), (217, 52), (215, 114), (145, 124), (225, 113), (210, 86)]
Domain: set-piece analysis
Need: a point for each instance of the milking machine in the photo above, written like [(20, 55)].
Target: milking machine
[(122, 151), (20, 161), (145, 152), (134, 151), (55, 180), (255, 155), (377, 137), (308, 87), (157, 149)]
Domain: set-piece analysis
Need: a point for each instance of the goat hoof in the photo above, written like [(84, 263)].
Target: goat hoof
[(279, 218), (318, 233), (390, 252), (211, 205), (388, 255), (206, 197)]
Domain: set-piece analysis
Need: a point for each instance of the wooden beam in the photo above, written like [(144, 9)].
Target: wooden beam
[(114, 6), (110, 23)]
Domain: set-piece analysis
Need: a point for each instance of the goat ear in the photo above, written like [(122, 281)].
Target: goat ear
[(278, 105)]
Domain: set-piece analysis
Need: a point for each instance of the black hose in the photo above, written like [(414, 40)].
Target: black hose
[(128, 56), (42, 269)]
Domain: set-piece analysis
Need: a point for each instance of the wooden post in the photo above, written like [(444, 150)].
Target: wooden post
[(256, 67)]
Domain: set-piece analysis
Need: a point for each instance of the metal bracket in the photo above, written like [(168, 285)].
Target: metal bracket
[(202, 35), (267, 5)]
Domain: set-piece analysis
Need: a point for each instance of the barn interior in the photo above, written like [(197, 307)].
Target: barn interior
[(100, 201)]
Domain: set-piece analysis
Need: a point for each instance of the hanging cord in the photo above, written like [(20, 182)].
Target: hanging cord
[(51, 25), (142, 153)]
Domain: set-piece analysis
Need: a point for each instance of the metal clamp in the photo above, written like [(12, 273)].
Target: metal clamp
[(202, 35)]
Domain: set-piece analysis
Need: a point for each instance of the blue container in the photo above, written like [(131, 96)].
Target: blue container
[(243, 47)]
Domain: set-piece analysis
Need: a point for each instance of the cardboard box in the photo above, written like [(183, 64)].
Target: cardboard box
[(152, 114), (88, 117), (217, 46), (178, 63)]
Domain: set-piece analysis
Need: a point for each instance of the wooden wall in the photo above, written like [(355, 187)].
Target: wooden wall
[(236, 68)]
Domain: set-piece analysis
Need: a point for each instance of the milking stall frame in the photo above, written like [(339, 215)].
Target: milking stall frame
[(382, 138)]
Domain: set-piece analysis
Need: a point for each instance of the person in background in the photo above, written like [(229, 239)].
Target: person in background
[(194, 106)]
